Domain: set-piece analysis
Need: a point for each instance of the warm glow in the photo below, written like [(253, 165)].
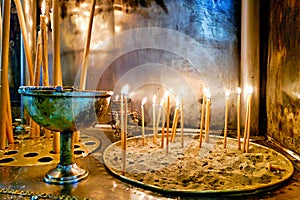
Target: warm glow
[(249, 90), (239, 90), (154, 99), (125, 90), (205, 90), (227, 93), (162, 101), (117, 97), (43, 8), (144, 101)]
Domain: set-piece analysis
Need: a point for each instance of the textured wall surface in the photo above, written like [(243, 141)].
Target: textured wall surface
[(283, 80), (180, 47)]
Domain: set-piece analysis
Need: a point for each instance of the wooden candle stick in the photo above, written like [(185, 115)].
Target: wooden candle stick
[(159, 115), (168, 124), (153, 120), (202, 116), (56, 44), (25, 40), (174, 123), (44, 42), (239, 118), (87, 48), (163, 125), (182, 123), (4, 74), (250, 90), (226, 117), (207, 117), (124, 145), (143, 120)]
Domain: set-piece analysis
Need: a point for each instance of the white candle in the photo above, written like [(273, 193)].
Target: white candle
[(239, 117), (226, 117), (207, 117), (159, 113), (153, 120), (143, 119)]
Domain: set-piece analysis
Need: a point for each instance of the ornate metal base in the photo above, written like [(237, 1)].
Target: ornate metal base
[(68, 174)]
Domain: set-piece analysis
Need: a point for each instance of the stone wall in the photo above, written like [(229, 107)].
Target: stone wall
[(180, 47), (283, 73)]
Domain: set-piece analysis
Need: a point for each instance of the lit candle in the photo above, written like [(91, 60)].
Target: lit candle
[(163, 124), (182, 123), (207, 117), (87, 48), (205, 90), (175, 122), (168, 124), (44, 43), (56, 44), (25, 40), (239, 117), (124, 92), (249, 91), (159, 113), (226, 117), (153, 120), (143, 120), (38, 61), (5, 100)]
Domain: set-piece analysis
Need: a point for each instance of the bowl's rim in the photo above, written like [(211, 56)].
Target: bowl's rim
[(65, 91)]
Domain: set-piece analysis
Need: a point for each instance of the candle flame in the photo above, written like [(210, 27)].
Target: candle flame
[(117, 97), (205, 90), (144, 101), (125, 90), (43, 7), (162, 101), (239, 90), (208, 94), (249, 90), (154, 99), (227, 93), (177, 102)]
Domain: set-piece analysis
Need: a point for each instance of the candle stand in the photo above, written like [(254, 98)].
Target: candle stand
[(66, 110)]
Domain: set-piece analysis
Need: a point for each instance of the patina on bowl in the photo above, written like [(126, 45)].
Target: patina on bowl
[(64, 108)]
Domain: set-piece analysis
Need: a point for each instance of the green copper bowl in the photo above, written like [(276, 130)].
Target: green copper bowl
[(64, 108)]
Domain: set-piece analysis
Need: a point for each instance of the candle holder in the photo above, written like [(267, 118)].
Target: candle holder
[(66, 110)]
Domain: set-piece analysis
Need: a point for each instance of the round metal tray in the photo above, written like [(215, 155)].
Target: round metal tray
[(136, 154)]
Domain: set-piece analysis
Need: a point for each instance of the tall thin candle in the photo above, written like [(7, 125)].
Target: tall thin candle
[(182, 123), (207, 117), (25, 40), (226, 117), (168, 124), (205, 90), (44, 44), (250, 91), (175, 122), (153, 120), (56, 44), (4, 74), (87, 48), (239, 117), (143, 120)]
